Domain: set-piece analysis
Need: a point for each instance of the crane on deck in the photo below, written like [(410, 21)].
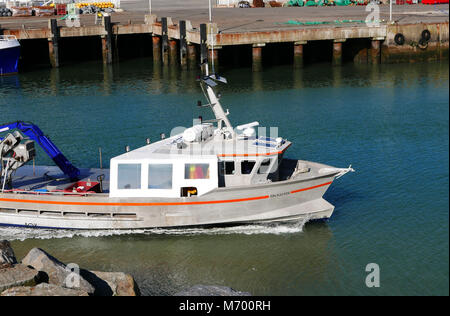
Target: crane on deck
[(14, 153)]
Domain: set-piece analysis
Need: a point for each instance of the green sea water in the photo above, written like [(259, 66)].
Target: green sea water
[(390, 122)]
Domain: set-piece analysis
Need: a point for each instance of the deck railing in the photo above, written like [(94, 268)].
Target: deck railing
[(55, 192), (8, 38)]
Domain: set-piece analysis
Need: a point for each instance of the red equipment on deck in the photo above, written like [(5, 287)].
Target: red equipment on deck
[(84, 187), (435, 1)]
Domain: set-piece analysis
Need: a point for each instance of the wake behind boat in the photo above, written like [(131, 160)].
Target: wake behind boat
[(9, 54), (210, 174)]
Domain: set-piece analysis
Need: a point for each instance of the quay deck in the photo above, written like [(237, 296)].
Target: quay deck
[(229, 20), (177, 34)]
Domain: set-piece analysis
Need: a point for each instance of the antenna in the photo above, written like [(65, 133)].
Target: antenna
[(208, 81), (212, 38), (210, 12)]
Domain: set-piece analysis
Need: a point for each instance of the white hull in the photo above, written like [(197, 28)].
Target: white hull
[(313, 210), (289, 200)]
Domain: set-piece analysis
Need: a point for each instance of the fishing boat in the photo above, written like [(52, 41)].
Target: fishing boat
[(9, 54), (209, 174)]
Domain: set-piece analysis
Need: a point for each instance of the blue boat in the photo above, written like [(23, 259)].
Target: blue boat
[(9, 54)]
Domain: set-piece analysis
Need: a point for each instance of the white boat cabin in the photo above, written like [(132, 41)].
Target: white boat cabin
[(176, 168), (203, 158)]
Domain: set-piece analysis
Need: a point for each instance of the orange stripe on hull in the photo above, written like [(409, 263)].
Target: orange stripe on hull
[(152, 204), (133, 204), (314, 187)]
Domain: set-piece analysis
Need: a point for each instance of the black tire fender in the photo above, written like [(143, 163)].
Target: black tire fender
[(399, 39), (423, 44), (426, 35)]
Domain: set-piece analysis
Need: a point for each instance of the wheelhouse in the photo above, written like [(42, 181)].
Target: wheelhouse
[(163, 177)]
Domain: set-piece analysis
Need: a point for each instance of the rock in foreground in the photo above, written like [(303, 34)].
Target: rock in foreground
[(112, 283), (17, 275), (40, 274), (58, 273), (211, 290), (7, 256), (43, 289)]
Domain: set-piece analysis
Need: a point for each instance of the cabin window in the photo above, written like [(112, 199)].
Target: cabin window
[(160, 176), (264, 168), (247, 166), (196, 171), (129, 176), (227, 167)]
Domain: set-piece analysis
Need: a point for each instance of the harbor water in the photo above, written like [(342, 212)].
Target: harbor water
[(391, 122)]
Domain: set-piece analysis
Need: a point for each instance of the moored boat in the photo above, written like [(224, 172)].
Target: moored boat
[(9, 54)]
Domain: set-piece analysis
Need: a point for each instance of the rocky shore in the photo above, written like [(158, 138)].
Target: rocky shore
[(40, 274)]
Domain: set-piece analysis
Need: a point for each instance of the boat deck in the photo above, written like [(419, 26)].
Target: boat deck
[(50, 179)]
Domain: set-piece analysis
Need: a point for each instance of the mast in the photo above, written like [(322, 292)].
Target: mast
[(208, 80), (219, 113)]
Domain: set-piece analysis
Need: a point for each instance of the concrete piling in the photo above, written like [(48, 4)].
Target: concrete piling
[(173, 51), (364, 45), (298, 54), (257, 57), (165, 41), (183, 44), (107, 40), (337, 52), (53, 45), (156, 42), (213, 56), (213, 53), (375, 52), (192, 55)]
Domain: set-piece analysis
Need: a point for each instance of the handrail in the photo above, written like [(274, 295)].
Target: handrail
[(56, 192)]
